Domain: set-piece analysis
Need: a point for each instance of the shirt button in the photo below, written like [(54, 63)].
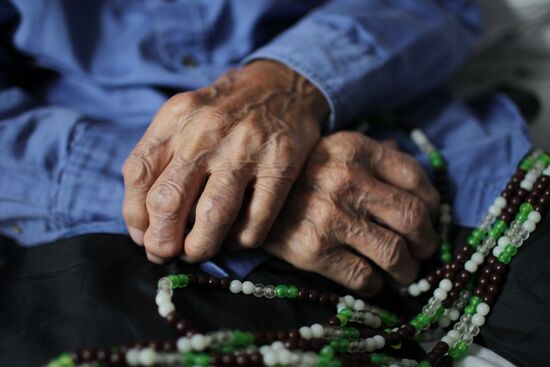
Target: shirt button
[(189, 61)]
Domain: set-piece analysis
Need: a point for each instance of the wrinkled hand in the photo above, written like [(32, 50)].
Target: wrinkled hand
[(357, 199), (253, 129)]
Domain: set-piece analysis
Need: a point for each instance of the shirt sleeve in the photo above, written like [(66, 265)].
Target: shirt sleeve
[(370, 56)]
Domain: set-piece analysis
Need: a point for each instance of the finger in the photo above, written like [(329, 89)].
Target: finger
[(168, 204), (140, 171), (385, 248), (217, 209), (403, 171), (352, 271), (402, 212), (266, 201)]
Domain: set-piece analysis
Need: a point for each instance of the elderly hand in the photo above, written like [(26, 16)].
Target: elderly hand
[(253, 129), (357, 199)]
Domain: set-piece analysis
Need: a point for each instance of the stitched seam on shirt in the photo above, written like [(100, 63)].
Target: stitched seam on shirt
[(59, 218)]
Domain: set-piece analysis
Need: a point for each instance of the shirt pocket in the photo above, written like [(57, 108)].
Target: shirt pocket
[(179, 32)]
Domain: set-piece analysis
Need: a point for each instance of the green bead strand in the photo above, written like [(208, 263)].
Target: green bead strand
[(292, 291), (281, 291)]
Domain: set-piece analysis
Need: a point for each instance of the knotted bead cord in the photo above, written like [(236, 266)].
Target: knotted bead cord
[(459, 298)]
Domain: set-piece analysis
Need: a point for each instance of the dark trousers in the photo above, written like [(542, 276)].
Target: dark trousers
[(98, 291)]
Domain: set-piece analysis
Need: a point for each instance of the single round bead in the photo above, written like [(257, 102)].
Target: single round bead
[(478, 320), (317, 330), (478, 258), (534, 217), (270, 358), (284, 357), (529, 226), (247, 287), (454, 314), (162, 298), (440, 294), (270, 292), (470, 266), (414, 290), (184, 345), (277, 345), (314, 296), (349, 300), (498, 250), (379, 341), (494, 210), (235, 286), (500, 202), (166, 308), (483, 309), (199, 342), (504, 240), (445, 284), (526, 184), (132, 357), (147, 357), (306, 332), (258, 290), (444, 321), (359, 305)]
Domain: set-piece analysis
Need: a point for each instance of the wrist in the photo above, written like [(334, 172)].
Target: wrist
[(313, 103)]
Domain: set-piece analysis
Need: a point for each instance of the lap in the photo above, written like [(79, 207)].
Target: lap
[(98, 290)]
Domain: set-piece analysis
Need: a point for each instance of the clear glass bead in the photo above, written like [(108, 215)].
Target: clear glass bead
[(353, 346), (467, 338), (269, 292), (465, 318), (164, 284), (258, 290), (489, 241), (429, 310), (473, 329), (523, 234), (460, 327)]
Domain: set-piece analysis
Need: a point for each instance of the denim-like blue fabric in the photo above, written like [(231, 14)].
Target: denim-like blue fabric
[(62, 144)]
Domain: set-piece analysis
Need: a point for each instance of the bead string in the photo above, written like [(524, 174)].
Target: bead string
[(457, 298)]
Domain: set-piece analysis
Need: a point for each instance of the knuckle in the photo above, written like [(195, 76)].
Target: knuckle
[(346, 177), (183, 101), (251, 236), (218, 207), (214, 211), (197, 251), (164, 200), (215, 117), (414, 175), (352, 137), (358, 276), (137, 171), (327, 217), (132, 215), (160, 246), (414, 214), (392, 252)]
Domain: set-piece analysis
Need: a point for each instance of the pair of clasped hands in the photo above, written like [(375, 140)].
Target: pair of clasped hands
[(243, 164)]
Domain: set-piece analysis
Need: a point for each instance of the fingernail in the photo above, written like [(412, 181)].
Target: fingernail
[(136, 234), (154, 259)]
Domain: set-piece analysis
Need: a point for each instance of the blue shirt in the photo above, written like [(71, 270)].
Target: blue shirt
[(105, 67)]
